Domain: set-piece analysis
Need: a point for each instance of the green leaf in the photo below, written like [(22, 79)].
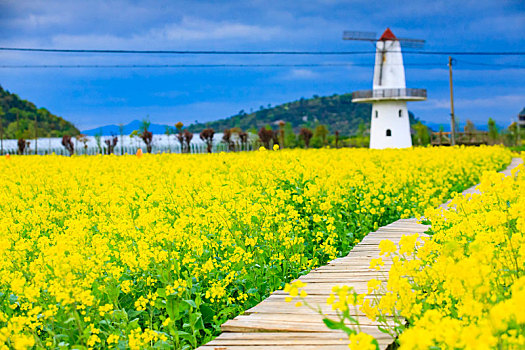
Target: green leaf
[(382, 329), (172, 307), (331, 324), (134, 313), (207, 313), (190, 303), (69, 320), (348, 330), (199, 324)]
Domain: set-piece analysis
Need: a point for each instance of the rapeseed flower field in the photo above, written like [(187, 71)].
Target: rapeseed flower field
[(461, 288), (159, 250)]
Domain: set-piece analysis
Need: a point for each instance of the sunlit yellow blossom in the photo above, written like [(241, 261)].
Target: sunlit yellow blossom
[(377, 263), (119, 245), (361, 341), (387, 247), (372, 285)]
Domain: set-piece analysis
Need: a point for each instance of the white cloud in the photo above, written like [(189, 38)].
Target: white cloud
[(188, 32), (473, 103), (502, 27), (493, 101), (192, 28), (300, 74), (39, 20), (434, 104), (170, 94)]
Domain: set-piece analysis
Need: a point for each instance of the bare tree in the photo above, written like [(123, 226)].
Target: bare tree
[(187, 139), (306, 135), (265, 136), (22, 144), (227, 139), (243, 136), (111, 143), (68, 144), (147, 137), (206, 135)]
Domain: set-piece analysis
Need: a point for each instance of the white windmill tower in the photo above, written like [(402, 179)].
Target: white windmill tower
[(390, 125)]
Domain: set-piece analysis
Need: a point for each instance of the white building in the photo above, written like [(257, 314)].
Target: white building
[(390, 126)]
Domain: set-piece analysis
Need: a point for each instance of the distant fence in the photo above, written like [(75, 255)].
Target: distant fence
[(132, 149), (474, 138)]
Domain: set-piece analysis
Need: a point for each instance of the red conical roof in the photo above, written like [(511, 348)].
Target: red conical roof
[(387, 35)]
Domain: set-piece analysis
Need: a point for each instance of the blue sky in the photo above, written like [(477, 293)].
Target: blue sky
[(92, 97)]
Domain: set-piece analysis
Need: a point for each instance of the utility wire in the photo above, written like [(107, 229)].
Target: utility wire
[(209, 65), (206, 52), (270, 65), (489, 64), (188, 52)]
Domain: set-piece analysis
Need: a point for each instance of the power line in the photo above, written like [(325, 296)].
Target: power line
[(208, 65), (255, 65), (187, 52), (489, 64), (221, 52)]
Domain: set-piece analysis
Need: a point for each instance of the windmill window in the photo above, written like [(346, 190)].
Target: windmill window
[(400, 113), (388, 132), (377, 114)]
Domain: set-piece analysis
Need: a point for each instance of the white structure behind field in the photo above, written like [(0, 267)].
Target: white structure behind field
[(161, 144), (390, 124)]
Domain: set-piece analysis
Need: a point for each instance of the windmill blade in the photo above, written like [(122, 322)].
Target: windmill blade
[(412, 43), (356, 35)]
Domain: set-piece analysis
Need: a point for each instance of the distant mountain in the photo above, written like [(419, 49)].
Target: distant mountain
[(17, 119), (128, 129), (336, 111)]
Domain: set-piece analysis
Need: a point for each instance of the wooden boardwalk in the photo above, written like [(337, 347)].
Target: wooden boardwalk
[(276, 324)]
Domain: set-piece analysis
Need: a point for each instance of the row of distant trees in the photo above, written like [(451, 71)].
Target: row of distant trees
[(234, 138), (284, 136)]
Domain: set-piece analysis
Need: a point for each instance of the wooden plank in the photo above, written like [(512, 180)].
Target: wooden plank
[(341, 277), (342, 274), (279, 336), (290, 308), (327, 290), (277, 341), (315, 299), (274, 339), (279, 320), (281, 324), (337, 339)]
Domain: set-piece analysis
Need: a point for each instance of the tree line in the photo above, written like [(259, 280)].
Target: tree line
[(283, 136)]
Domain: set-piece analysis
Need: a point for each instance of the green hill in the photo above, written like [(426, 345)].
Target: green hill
[(17, 118), (337, 112)]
